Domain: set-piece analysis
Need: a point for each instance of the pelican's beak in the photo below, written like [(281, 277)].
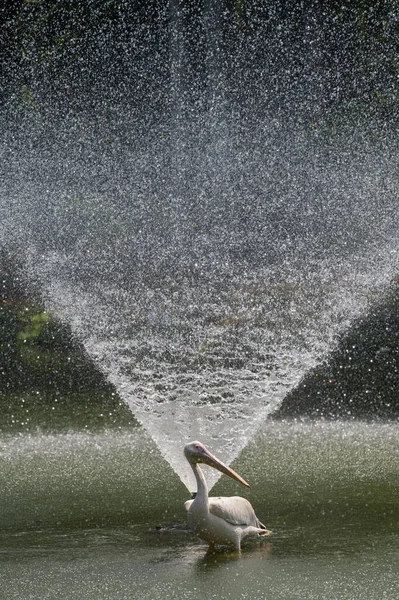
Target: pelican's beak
[(212, 461)]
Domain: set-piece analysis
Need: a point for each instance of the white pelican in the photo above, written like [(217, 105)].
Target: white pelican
[(219, 520)]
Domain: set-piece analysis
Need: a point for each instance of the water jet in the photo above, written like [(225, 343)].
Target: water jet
[(207, 199)]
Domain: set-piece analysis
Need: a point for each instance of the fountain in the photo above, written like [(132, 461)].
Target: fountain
[(208, 248), (204, 195)]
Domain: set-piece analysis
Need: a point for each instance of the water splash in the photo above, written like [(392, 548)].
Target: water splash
[(193, 368), (207, 254)]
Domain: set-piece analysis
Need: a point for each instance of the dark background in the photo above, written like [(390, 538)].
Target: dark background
[(74, 55)]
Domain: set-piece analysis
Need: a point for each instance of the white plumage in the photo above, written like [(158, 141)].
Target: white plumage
[(223, 520)]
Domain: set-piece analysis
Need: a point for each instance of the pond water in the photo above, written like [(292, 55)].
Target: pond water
[(100, 515)]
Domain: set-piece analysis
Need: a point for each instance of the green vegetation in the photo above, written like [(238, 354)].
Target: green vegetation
[(46, 379)]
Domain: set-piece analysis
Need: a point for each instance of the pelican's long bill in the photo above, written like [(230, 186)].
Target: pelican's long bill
[(203, 455)]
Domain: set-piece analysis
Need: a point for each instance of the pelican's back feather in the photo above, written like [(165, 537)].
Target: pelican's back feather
[(234, 510)]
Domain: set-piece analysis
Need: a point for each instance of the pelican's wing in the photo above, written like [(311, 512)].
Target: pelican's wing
[(234, 510)]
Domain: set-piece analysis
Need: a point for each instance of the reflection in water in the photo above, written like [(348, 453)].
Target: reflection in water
[(218, 557)]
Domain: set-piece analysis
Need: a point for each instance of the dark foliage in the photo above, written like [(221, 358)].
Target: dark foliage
[(361, 378), (74, 55)]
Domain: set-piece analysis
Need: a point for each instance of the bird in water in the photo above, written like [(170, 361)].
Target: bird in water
[(219, 520)]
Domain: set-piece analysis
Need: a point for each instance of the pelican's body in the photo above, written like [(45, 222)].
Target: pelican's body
[(219, 520)]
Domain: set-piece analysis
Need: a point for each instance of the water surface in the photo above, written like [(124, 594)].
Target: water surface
[(80, 513)]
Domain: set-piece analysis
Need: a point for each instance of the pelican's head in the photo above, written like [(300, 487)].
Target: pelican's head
[(195, 452)]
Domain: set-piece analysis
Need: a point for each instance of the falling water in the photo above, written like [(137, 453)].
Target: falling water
[(209, 259)]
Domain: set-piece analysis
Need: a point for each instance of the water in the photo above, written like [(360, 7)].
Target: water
[(207, 212), (204, 304), (208, 203), (80, 510)]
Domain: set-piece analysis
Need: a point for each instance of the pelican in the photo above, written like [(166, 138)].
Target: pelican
[(219, 520)]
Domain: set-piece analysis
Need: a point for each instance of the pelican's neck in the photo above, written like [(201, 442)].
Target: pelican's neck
[(202, 488)]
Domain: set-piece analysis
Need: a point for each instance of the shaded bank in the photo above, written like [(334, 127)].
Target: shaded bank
[(361, 377), (46, 378)]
